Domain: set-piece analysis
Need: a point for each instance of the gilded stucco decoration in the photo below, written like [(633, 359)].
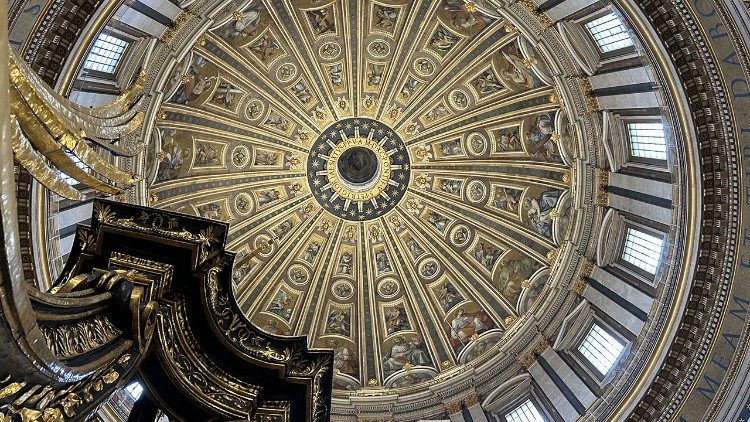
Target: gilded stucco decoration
[(394, 176)]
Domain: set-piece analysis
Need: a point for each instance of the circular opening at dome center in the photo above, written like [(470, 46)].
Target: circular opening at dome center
[(358, 165)]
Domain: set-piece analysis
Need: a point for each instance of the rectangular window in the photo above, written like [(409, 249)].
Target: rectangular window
[(601, 349), (642, 250), (647, 140), (609, 33), (135, 390), (526, 412), (105, 54), (69, 180)]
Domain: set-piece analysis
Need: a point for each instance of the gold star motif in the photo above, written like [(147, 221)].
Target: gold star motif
[(316, 163), (316, 182)]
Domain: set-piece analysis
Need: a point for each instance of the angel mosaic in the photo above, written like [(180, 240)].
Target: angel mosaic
[(272, 326), (205, 154), (414, 248), (467, 324), (267, 196), (336, 75), (245, 23), (539, 210), (508, 139), (265, 48), (382, 262), (396, 319), (339, 322), (486, 254), (403, 352), (344, 359), (277, 122), (346, 261), (487, 83), (443, 40), (451, 148), (266, 158), (281, 305), (463, 19), (210, 211), (283, 229), (321, 21), (409, 86), (226, 96), (438, 113), (448, 296), (507, 199), (438, 221), (311, 252), (516, 70), (300, 91), (512, 273), (375, 74), (384, 17)]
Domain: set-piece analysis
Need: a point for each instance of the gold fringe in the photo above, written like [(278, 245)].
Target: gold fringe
[(67, 137), (49, 147), (77, 119), (35, 164)]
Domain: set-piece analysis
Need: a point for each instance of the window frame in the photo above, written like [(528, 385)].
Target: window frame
[(120, 58), (610, 53), (590, 327), (517, 403), (583, 362), (630, 267), (631, 158)]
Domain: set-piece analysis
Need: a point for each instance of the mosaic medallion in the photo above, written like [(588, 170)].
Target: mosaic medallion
[(358, 169)]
